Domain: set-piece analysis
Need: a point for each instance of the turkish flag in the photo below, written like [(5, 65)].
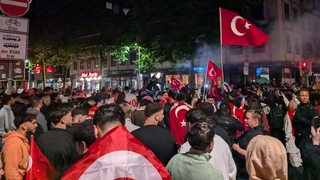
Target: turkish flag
[(236, 30), (213, 72), (39, 166), (175, 83), (178, 124), (118, 155)]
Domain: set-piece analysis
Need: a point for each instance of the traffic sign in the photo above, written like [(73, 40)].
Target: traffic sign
[(13, 46), (14, 24), (14, 8)]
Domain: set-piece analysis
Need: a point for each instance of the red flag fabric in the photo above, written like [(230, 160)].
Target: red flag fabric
[(213, 72), (175, 83), (178, 124), (118, 155), (39, 166), (236, 30)]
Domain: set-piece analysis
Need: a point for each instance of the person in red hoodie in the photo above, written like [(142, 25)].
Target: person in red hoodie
[(15, 152)]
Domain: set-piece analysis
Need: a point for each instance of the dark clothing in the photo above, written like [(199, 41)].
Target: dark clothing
[(243, 141), (311, 160), (230, 124), (223, 134), (59, 147), (159, 140), (302, 121)]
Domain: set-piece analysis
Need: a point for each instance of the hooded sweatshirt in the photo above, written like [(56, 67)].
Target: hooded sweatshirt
[(15, 154), (266, 159)]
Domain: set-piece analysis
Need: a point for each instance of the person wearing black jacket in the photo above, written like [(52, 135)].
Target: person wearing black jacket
[(223, 119), (302, 119)]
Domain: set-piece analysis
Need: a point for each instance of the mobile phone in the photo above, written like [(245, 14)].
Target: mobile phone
[(316, 122), (243, 99), (219, 103)]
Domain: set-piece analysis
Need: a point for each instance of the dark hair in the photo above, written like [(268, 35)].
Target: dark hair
[(126, 88), (79, 110), (61, 110), (181, 96), (304, 89), (6, 98), (121, 98), (152, 108), (22, 118), (108, 113), (201, 135), (83, 131), (206, 107), (194, 115), (145, 102), (224, 109)]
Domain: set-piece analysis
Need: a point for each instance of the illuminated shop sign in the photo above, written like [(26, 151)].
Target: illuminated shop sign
[(89, 74)]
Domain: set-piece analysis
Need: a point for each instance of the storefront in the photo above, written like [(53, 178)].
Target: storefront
[(89, 81)]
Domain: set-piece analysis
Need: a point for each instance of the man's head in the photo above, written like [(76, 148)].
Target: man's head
[(26, 123), (304, 95), (83, 134), (46, 100), (36, 103), (61, 116), (154, 112), (107, 117), (7, 100), (79, 114), (126, 89), (206, 107), (200, 136)]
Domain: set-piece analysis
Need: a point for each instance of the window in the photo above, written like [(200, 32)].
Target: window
[(259, 49), (96, 62), (295, 14), (286, 12), (133, 57), (75, 65), (288, 43), (236, 50), (81, 64), (89, 63), (297, 46), (113, 61)]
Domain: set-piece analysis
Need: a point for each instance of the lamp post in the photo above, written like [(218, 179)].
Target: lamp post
[(29, 75), (138, 74)]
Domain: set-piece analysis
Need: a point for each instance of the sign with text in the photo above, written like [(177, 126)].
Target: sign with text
[(4, 70), (89, 74), (20, 25), (13, 46), (17, 70)]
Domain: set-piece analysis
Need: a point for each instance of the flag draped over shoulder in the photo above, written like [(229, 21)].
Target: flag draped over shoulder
[(118, 155), (175, 83), (236, 30), (213, 72), (39, 166)]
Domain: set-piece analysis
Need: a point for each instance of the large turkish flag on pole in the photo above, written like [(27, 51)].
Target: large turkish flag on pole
[(118, 155), (236, 30)]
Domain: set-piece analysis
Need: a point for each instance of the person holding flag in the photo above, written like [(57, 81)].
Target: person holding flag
[(116, 154)]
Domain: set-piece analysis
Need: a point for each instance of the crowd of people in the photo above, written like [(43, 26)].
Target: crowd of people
[(226, 132)]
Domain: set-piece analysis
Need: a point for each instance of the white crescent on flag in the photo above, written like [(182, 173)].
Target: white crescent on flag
[(185, 107), (113, 167), (175, 82), (212, 72), (234, 26)]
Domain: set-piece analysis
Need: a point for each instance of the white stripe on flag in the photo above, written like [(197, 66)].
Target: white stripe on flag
[(14, 3)]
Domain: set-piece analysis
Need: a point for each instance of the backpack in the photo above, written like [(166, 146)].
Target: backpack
[(275, 118)]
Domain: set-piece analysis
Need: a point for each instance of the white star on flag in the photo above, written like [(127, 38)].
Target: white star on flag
[(183, 123), (247, 25)]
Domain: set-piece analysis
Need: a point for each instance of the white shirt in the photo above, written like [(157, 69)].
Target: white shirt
[(221, 158)]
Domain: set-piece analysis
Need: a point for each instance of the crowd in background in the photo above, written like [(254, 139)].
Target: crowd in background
[(224, 132)]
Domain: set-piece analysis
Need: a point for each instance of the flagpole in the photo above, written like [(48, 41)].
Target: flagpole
[(221, 61)]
